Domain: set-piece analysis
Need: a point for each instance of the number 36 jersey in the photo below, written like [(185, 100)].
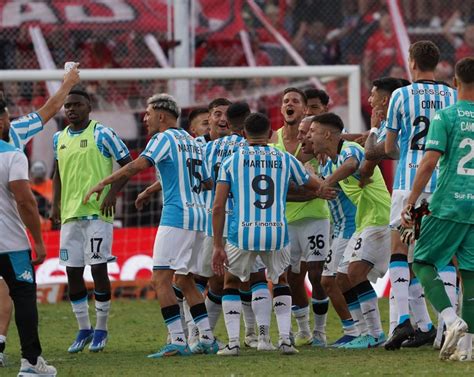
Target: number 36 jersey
[(179, 160), (259, 177), (410, 111), (452, 134)]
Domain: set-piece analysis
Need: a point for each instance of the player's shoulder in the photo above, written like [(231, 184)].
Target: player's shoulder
[(8, 148)]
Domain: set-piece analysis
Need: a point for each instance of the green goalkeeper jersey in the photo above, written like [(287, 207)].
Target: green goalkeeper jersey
[(451, 132)]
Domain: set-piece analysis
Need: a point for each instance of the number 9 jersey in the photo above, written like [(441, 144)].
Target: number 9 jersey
[(179, 160), (452, 134), (410, 111), (258, 177)]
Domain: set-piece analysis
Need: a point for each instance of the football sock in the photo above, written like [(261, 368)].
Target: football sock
[(3, 340), (302, 318), (172, 319), (349, 327), (282, 308), (102, 309), (320, 309), (369, 306), (467, 311), (214, 307), (449, 277), (418, 306), (400, 279), (232, 307), (201, 320), (354, 307), (80, 308), (393, 312), (249, 316), (262, 306), (189, 325), (181, 300)]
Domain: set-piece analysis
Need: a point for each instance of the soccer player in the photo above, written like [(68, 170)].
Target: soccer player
[(408, 122), (449, 230), (84, 153), (343, 213), (199, 122), (18, 210), (367, 252), (257, 177), (18, 133), (184, 175), (308, 227), (317, 102)]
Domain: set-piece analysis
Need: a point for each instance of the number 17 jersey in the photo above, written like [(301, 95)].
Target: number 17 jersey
[(179, 160), (258, 177), (410, 111)]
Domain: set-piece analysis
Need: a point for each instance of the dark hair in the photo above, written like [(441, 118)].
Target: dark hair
[(3, 104), (329, 119), (196, 112), (237, 113), (80, 93), (317, 93), (257, 124), (218, 102), (296, 90), (389, 84), (464, 70), (425, 54)]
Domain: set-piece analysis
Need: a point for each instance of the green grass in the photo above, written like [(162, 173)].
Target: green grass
[(136, 329)]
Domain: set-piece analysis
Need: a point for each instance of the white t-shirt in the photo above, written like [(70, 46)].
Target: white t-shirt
[(13, 167)]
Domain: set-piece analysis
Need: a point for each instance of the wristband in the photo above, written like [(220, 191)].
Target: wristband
[(374, 130)]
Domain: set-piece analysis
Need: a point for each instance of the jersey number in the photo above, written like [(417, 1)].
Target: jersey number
[(416, 145), (316, 241), (95, 247), (192, 165), (267, 190), (462, 170)]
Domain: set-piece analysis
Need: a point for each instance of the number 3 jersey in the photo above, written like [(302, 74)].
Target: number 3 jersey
[(409, 114), (179, 160), (452, 134), (258, 177)]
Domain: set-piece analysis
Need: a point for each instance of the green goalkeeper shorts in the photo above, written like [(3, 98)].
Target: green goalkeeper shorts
[(440, 240)]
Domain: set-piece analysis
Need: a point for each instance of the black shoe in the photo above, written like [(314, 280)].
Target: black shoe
[(401, 333), (420, 338)]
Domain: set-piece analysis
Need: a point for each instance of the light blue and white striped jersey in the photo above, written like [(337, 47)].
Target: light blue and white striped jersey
[(202, 140), (382, 134), (180, 162), (107, 141), (259, 177), (343, 211), (409, 113), (215, 152), (24, 128)]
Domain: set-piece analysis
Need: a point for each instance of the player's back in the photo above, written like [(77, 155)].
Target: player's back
[(452, 134), (410, 111)]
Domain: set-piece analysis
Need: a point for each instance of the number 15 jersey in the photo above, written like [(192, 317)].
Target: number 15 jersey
[(258, 177), (410, 111), (179, 160)]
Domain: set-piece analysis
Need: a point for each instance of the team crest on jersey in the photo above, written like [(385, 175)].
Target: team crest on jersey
[(63, 255), (83, 143)]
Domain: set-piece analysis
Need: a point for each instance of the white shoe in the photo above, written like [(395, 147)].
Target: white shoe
[(41, 369), (229, 351), (303, 339), (251, 340), (265, 344), (3, 360), (437, 344), (452, 336), (286, 348), (463, 350), (319, 339)]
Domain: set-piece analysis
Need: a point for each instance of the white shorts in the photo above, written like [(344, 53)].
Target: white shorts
[(309, 241), (85, 242), (335, 256), (372, 245), (177, 249), (242, 261), (399, 202)]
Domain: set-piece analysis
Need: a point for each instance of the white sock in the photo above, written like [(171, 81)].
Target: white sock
[(369, 306), (282, 308), (248, 314), (353, 305), (80, 309), (102, 310), (232, 307), (262, 305), (440, 329), (418, 306), (214, 308), (349, 327), (202, 322), (320, 319), (302, 318), (393, 313), (449, 316), (172, 318), (449, 277), (189, 326), (183, 318), (400, 279)]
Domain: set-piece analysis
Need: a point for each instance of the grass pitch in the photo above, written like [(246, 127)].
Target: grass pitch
[(136, 330)]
